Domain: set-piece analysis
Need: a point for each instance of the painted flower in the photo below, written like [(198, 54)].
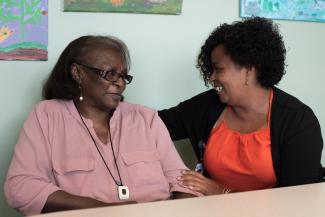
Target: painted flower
[(5, 33), (44, 12), (117, 2)]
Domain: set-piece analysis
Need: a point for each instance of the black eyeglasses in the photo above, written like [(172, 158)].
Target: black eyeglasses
[(109, 75)]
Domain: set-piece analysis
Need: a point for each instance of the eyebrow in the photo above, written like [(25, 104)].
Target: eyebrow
[(124, 71), (215, 63), (110, 69)]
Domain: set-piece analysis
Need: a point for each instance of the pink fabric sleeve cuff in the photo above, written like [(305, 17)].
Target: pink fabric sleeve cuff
[(177, 188), (36, 205)]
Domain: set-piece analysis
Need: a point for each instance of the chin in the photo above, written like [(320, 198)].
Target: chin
[(107, 106), (113, 105), (110, 101), (223, 101), (222, 98)]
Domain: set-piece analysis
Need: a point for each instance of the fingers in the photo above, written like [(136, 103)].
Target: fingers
[(197, 182), (191, 172), (194, 181), (192, 178)]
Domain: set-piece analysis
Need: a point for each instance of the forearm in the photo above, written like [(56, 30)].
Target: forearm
[(181, 195), (60, 201)]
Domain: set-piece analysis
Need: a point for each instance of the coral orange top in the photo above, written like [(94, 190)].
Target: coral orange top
[(238, 161)]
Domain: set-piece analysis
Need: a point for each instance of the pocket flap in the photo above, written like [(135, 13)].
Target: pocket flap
[(77, 164), (140, 156)]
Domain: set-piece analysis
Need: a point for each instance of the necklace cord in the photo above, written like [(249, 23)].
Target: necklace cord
[(110, 138), (111, 141)]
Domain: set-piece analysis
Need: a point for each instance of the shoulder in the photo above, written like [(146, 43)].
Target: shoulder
[(46, 113), (136, 111), (285, 100), (206, 104), (203, 102), (204, 107), (206, 97), (126, 107), (47, 107), (285, 106), (288, 109)]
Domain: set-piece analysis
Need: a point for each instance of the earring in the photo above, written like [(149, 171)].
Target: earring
[(246, 83), (80, 97)]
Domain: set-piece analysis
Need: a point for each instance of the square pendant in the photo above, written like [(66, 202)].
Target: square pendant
[(123, 192)]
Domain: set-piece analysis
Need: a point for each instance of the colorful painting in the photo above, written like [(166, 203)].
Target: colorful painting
[(125, 6), (304, 10), (23, 29)]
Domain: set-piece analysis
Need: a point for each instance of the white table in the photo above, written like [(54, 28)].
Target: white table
[(297, 201)]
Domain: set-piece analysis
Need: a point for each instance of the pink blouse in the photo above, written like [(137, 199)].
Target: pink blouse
[(55, 152)]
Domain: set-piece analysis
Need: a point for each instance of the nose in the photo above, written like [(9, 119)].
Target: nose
[(120, 81)]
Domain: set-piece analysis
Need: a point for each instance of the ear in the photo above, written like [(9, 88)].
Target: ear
[(76, 73), (250, 74)]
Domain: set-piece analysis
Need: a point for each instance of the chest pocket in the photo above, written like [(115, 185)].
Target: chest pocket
[(144, 168), (74, 171), (73, 163), (82, 164)]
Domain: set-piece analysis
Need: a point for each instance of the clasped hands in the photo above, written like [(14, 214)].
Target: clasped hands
[(197, 182)]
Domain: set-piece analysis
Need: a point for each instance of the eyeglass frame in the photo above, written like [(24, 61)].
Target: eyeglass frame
[(127, 79)]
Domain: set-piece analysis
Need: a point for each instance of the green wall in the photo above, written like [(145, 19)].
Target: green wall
[(163, 50)]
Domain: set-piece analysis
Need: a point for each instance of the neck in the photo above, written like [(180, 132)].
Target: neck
[(255, 104), (94, 113)]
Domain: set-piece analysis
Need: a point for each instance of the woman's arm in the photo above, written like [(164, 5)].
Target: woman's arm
[(29, 179), (173, 119), (60, 201), (30, 186), (197, 182), (170, 160), (182, 195), (301, 150)]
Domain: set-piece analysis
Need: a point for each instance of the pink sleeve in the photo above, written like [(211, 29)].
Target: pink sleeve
[(171, 161), (29, 180)]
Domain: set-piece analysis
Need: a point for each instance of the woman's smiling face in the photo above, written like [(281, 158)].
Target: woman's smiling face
[(227, 77)]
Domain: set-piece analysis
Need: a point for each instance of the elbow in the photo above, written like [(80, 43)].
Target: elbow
[(15, 193), (27, 194)]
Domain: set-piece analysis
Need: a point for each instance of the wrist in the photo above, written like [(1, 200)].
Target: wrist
[(225, 190)]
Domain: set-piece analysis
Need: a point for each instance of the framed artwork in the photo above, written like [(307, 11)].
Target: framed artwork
[(125, 6), (23, 29), (303, 10)]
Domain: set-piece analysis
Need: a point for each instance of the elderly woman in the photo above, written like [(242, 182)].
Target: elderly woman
[(82, 147), (254, 135)]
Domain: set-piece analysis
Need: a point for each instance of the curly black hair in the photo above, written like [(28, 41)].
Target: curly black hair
[(253, 42), (60, 84)]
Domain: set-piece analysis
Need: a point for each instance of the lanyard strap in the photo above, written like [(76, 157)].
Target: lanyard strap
[(117, 182)]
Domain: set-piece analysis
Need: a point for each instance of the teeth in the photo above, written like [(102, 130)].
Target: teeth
[(219, 88)]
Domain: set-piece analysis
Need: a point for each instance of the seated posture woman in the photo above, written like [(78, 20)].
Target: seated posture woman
[(256, 136), (82, 147)]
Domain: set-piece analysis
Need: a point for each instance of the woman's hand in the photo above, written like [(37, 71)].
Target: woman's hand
[(197, 182)]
